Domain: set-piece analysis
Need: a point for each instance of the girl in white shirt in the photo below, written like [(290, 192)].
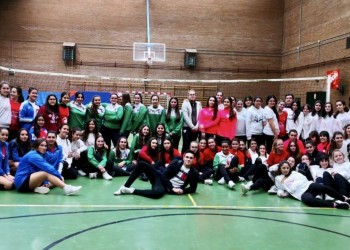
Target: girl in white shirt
[(295, 184)]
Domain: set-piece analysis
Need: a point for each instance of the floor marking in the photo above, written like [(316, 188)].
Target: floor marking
[(160, 206), (192, 200)]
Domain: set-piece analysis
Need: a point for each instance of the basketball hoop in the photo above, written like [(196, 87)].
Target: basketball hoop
[(149, 52)]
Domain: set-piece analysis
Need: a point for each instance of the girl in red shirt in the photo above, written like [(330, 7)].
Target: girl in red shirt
[(16, 98)]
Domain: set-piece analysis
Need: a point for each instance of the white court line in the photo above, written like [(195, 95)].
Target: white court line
[(159, 206)]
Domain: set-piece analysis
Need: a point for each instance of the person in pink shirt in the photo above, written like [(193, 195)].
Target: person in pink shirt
[(207, 118), (227, 121)]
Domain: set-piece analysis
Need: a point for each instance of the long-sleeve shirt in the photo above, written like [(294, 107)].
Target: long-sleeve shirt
[(5, 112), (77, 114), (295, 184), (172, 126), (113, 115), (125, 125), (154, 117), (139, 117), (94, 161), (226, 127), (254, 122), (27, 113), (206, 122), (17, 151), (31, 163), (221, 158)]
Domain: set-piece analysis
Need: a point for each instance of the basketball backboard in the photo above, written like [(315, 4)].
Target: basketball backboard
[(149, 52)]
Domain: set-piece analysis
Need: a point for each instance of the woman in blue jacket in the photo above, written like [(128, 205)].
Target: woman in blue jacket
[(33, 170)]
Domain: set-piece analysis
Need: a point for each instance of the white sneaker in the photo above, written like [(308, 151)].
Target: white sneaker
[(272, 190), (81, 172), (119, 191), (106, 176), (328, 198), (41, 190), (69, 189), (221, 181), (231, 184), (93, 175), (319, 197), (208, 182), (245, 188), (240, 178), (127, 190)]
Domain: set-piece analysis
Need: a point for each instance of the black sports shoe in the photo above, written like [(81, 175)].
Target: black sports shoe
[(143, 177)]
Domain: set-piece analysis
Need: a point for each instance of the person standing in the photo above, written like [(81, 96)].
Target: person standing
[(5, 106), (190, 111)]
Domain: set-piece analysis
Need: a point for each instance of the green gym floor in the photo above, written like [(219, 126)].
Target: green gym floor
[(213, 218)]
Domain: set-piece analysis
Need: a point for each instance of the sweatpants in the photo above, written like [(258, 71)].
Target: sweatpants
[(157, 190), (261, 178), (337, 182)]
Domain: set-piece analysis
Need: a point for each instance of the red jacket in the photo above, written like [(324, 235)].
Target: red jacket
[(277, 158), (226, 127), (167, 156)]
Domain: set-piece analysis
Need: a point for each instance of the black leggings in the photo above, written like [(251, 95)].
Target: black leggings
[(337, 182), (309, 197), (261, 178), (225, 172), (157, 190)]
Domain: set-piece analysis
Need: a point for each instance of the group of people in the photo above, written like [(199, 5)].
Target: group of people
[(282, 148)]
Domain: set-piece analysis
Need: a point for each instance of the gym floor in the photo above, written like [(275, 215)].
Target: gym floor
[(213, 218)]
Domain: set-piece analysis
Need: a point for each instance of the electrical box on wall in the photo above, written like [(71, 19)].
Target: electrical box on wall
[(190, 58), (68, 53)]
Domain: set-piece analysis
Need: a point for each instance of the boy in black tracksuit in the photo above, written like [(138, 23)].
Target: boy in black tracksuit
[(178, 175)]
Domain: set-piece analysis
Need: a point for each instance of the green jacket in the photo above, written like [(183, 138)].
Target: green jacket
[(113, 115), (92, 159)]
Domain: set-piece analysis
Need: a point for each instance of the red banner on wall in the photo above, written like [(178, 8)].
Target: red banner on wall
[(333, 78)]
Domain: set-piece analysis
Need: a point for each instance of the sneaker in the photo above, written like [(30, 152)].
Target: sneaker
[(245, 188), (272, 190), (328, 198), (241, 179), (127, 190), (231, 184), (106, 176), (69, 189), (319, 197), (93, 175), (41, 190), (221, 181), (119, 191), (208, 182), (81, 172), (342, 205)]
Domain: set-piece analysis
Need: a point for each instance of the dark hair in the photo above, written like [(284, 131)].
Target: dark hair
[(52, 132), (72, 131), (274, 109), (100, 150), (232, 113), (297, 154), (76, 95), (316, 135), (125, 99), (140, 95), (297, 112), (279, 172), (345, 134), (323, 156), (247, 98), (62, 95), (19, 93), (37, 143), (177, 111), (188, 152), (346, 109), (153, 153), (215, 111), (325, 133), (153, 95), (324, 114), (87, 131), (163, 151), (255, 99), (118, 153), (333, 145), (314, 112), (94, 108), (144, 139), (162, 137), (226, 141), (289, 94), (36, 126), (30, 90), (51, 108), (22, 145)]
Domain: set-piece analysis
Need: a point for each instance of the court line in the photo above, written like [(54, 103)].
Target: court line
[(192, 200), (67, 237), (159, 206)]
